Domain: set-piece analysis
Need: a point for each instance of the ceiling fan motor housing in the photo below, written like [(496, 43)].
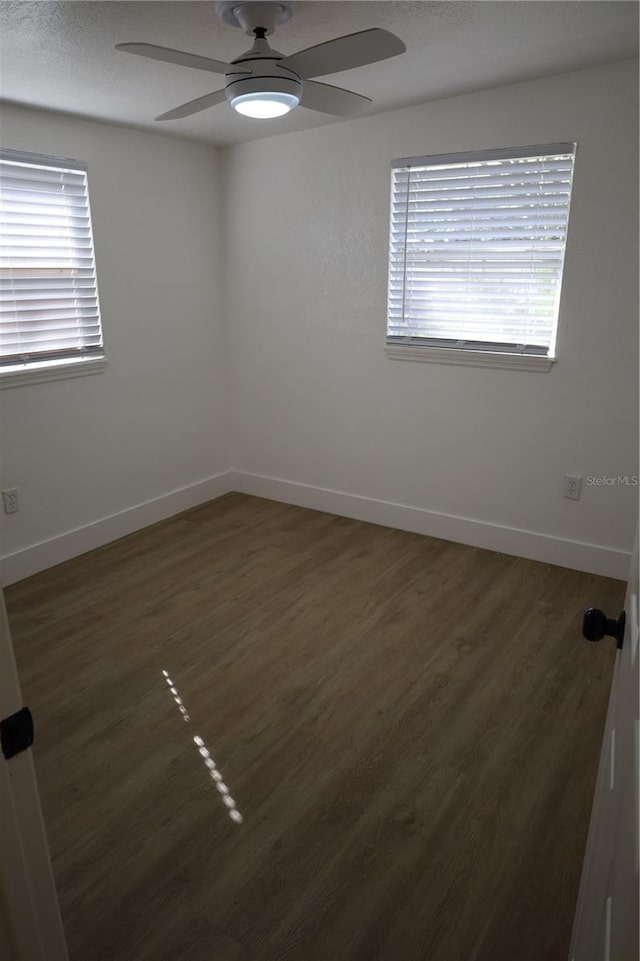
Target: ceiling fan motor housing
[(266, 73)]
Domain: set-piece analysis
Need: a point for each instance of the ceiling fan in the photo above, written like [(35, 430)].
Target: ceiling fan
[(263, 83)]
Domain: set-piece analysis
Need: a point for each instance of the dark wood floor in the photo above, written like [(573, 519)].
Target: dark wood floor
[(409, 728)]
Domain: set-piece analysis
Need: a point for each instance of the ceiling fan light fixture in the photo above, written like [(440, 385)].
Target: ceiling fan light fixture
[(264, 97), (263, 83), (264, 105)]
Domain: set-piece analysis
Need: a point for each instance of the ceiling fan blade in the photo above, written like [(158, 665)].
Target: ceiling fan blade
[(168, 55), (335, 100), (194, 106), (345, 53)]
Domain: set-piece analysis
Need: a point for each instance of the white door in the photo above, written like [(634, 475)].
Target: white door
[(606, 923), (30, 923)]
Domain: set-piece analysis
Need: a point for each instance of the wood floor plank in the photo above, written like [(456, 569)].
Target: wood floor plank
[(409, 728)]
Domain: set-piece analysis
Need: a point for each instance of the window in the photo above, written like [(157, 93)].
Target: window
[(49, 312), (476, 254)]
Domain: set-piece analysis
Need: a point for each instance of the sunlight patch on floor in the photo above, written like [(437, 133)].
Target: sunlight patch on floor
[(205, 754)]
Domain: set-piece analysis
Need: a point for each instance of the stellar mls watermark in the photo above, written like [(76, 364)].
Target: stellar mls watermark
[(613, 480)]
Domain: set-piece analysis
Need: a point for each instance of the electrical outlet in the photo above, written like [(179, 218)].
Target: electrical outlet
[(572, 486), (11, 502)]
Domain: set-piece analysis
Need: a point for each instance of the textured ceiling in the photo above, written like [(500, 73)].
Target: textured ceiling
[(60, 56)]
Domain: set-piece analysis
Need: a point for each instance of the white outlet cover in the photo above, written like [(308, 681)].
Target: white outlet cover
[(572, 486), (10, 500)]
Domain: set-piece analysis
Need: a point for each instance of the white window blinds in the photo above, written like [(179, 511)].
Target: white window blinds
[(48, 291), (477, 248)]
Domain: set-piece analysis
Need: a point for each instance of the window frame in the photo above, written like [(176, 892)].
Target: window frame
[(53, 365), (470, 353)]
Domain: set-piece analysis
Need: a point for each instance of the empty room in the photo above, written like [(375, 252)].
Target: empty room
[(319, 472)]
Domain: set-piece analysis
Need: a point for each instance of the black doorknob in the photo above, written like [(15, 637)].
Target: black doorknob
[(596, 625)]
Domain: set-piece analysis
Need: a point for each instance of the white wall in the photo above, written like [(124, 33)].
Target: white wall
[(80, 450), (283, 374), (318, 402)]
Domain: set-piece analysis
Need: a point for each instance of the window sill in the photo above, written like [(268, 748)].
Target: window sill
[(469, 358), (57, 370)]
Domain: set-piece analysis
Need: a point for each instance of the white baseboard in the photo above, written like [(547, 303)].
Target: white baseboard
[(38, 557), (463, 530), (577, 555)]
